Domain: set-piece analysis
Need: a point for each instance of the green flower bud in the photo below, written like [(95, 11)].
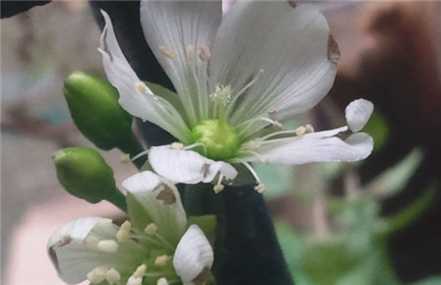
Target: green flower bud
[(84, 174), (93, 105)]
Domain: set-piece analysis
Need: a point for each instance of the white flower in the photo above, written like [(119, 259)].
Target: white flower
[(234, 74), (140, 250)]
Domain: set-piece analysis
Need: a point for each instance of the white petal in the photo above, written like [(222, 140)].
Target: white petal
[(193, 255), (357, 114), (292, 46), (161, 201), (140, 102), (69, 251), (186, 166), (180, 33), (316, 148)]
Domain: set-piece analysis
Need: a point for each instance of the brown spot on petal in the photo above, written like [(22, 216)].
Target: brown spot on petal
[(167, 196), (53, 255), (333, 50), (205, 169), (292, 3), (203, 277)]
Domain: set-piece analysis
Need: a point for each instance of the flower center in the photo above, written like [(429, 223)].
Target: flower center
[(220, 141)]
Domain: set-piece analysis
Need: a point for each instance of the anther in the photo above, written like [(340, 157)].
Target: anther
[(123, 233), (219, 187), (113, 276), (109, 246), (176, 145), (171, 54), (162, 260), (97, 275), (151, 229), (134, 281), (309, 128), (300, 131), (140, 271), (162, 281), (260, 188)]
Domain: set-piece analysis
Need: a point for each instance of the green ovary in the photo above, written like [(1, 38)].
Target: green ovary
[(220, 140)]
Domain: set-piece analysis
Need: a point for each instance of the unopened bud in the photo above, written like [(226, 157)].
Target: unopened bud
[(84, 174), (93, 105)]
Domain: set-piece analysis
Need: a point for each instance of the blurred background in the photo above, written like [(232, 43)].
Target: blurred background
[(378, 222)]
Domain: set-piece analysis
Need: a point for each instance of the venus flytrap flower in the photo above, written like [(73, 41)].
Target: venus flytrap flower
[(155, 246), (234, 74)]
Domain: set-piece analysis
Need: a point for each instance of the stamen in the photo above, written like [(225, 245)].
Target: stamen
[(151, 229), (300, 131), (123, 233), (177, 145), (113, 276), (272, 122), (108, 246), (134, 281), (260, 187), (249, 84), (169, 53), (204, 53), (162, 260), (141, 154), (309, 128), (97, 275), (219, 187), (140, 271), (189, 147), (162, 281)]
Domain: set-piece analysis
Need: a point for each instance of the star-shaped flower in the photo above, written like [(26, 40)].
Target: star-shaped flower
[(234, 75), (157, 245)]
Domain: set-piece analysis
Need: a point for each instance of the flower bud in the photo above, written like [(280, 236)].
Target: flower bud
[(84, 174), (93, 105)]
